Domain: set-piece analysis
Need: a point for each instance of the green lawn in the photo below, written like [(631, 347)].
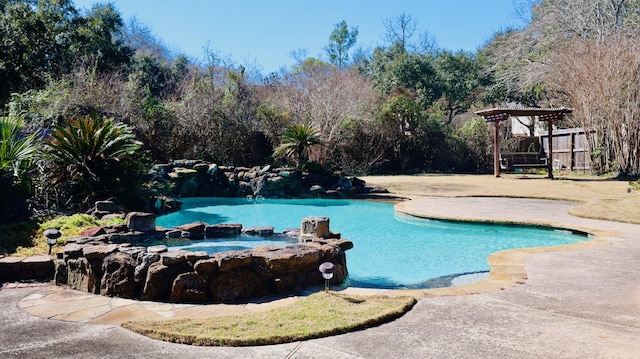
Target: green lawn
[(321, 314)]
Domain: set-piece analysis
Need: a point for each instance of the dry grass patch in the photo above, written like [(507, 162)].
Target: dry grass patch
[(318, 315), (596, 197)]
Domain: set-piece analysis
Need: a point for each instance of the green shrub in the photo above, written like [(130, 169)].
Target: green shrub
[(27, 238), (90, 159)]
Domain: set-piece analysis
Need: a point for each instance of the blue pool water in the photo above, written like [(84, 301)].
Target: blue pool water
[(391, 250)]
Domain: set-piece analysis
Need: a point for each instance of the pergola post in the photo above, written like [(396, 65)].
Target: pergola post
[(550, 159), (496, 149)]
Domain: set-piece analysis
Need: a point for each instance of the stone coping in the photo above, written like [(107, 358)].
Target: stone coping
[(507, 269)]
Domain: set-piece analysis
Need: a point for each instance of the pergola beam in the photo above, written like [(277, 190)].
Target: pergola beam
[(497, 115)]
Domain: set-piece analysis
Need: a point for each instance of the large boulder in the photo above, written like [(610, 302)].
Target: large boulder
[(144, 262), (141, 221), (93, 232), (173, 257), (223, 230), (195, 228), (189, 288), (241, 283), (315, 226), (81, 277), (166, 204), (259, 186), (291, 259), (134, 251), (103, 208), (337, 256), (287, 282), (160, 280), (117, 279), (231, 260), (244, 189), (73, 251), (62, 272), (160, 248), (259, 231), (94, 253), (99, 252), (207, 267)]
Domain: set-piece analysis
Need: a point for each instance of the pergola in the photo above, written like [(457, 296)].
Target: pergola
[(497, 115)]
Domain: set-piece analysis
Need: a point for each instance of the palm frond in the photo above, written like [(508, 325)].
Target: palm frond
[(16, 149), (88, 154), (297, 140)]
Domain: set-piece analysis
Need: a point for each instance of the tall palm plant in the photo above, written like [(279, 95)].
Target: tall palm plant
[(297, 140), (93, 158), (17, 151)]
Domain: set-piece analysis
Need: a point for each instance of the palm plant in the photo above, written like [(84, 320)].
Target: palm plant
[(297, 140), (93, 158), (17, 151)]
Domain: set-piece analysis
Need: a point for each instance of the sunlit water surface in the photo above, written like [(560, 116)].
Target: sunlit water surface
[(391, 250)]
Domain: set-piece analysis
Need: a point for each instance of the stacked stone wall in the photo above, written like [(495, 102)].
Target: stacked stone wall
[(154, 273), (108, 265)]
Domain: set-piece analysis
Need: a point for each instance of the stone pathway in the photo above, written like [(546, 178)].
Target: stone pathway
[(60, 303)]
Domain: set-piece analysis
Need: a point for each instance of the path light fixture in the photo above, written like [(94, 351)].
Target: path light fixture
[(327, 269), (52, 237)]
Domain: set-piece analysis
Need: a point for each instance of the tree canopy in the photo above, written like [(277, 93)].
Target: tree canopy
[(341, 40), (41, 40)]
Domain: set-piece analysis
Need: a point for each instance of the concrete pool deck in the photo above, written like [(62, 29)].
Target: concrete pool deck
[(578, 301)]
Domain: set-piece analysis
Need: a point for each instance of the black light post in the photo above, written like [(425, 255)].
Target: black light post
[(52, 237)]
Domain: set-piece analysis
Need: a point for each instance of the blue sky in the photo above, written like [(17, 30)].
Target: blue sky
[(266, 32)]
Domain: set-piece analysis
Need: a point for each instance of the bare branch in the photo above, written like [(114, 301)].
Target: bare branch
[(399, 29)]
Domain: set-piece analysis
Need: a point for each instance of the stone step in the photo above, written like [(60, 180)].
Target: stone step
[(26, 268)]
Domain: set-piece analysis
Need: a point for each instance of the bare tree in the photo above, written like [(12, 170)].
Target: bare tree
[(601, 79), (519, 58), (517, 66), (427, 43), (299, 55), (560, 20), (401, 30), (141, 38), (325, 97)]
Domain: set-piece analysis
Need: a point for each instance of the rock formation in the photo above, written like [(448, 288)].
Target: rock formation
[(137, 267)]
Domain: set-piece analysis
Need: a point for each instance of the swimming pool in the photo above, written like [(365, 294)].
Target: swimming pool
[(391, 250)]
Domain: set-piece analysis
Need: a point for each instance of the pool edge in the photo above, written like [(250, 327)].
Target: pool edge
[(507, 267)]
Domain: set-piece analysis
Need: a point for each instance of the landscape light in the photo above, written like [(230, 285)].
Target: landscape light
[(327, 269), (52, 237)]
